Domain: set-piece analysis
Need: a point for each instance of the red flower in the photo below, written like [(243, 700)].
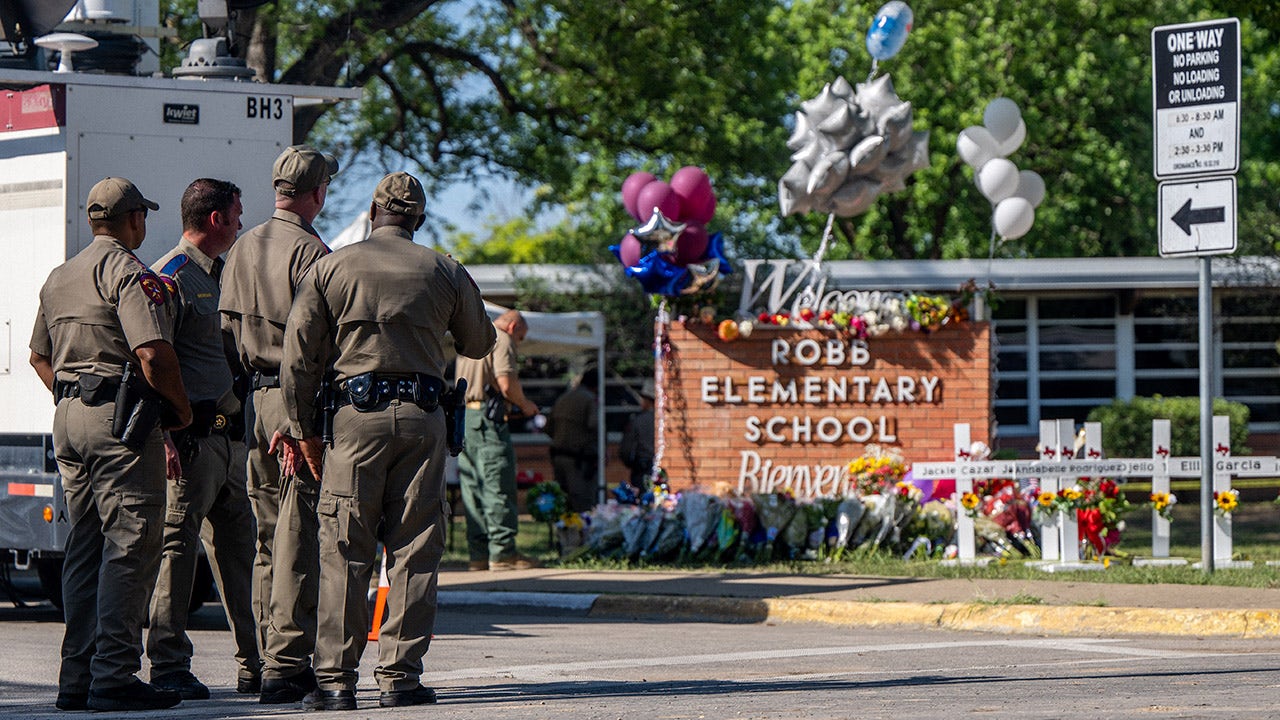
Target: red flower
[(806, 314), (1092, 527), (827, 315), (1108, 488), (765, 318)]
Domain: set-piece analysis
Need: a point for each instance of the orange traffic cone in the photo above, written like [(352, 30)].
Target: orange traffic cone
[(380, 603)]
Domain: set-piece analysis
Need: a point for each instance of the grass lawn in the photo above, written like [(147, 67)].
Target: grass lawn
[(1256, 536)]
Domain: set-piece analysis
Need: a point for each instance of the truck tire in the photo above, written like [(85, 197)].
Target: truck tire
[(49, 570)]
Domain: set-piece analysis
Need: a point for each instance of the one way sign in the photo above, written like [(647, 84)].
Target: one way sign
[(1198, 217)]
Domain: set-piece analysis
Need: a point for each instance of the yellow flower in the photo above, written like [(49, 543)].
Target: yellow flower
[(1072, 493), (572, 520), (1160, 500), (969, 501), (1045, 498), (1227, 500)]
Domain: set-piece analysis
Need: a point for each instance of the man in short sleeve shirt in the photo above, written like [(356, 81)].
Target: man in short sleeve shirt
[(377, 313), (262, 274), (487, 465), (99, 310), (210, 490)]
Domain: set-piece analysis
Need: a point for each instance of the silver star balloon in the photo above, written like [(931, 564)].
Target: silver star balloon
[(660, 231)]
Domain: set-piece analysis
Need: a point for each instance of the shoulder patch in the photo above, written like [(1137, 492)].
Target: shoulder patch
[(153, 287), (172, 266)]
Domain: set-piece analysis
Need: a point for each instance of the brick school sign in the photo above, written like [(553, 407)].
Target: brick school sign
[(789, 408)]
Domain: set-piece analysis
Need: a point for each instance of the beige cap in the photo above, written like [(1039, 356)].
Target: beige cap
[(113, 197), (301, 169), (401, 193)]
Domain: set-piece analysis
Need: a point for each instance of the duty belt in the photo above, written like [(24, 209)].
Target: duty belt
[(63, 389), (263, 380), (367, 391)]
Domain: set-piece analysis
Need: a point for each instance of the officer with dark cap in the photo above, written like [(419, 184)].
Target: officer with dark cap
[(376, 312), (263, 272), (209, 487), (102, 344)]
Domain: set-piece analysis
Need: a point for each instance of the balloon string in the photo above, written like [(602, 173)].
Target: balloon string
[(874, 65), (817, 258), (660, 400)]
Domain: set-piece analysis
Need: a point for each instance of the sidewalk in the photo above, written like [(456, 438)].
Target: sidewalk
[(1053, 607)]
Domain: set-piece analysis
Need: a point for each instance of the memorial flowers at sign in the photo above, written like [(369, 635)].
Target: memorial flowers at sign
[(876, 471)]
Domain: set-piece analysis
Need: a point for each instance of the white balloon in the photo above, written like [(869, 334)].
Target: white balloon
[(1011, 144), (801, 134), (1013, 218), (1030, 187), (997, 180), (1001, 118), (976, 146)]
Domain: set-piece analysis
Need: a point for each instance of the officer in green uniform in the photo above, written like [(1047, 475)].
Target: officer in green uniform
[(104, 322), (262, 274), (211, 486), (377, 312), (487, 465)]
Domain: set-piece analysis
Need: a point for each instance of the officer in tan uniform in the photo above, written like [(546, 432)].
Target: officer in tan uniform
[(262, 274), (211, 486), (102, 345), (573, 427), (377, 312)]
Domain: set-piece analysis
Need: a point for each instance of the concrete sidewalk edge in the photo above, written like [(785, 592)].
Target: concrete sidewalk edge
[(1007, 619)]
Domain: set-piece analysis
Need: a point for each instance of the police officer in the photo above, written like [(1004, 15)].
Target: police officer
[(262, 274), (377, 312), (572, 426), (104, 323), (210, 486)]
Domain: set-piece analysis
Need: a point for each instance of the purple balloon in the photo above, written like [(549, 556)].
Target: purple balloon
[(697, 201), (691, 246), (660, 195), (630, 250), (631, 190)]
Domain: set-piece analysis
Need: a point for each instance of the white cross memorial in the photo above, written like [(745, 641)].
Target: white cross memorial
[(1161, 442)]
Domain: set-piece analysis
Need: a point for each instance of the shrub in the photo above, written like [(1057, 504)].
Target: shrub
[(1126, 424)]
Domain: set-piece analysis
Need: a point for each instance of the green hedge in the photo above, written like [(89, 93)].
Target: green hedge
[(1126, 424)]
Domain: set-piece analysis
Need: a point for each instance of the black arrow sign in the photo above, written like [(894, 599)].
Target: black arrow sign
[(1186, 217)]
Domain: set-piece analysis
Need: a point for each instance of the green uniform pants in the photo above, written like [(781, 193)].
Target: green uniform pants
[(386, 469), (487, 473), (211, 495), (286, 574), (115, 502)]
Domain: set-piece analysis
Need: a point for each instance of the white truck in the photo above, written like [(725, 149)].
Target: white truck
[(61, 132)]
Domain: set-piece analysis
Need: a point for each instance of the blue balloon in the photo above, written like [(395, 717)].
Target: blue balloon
[(888, 31), (660, 276)]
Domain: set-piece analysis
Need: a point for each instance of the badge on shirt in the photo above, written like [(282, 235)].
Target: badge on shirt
[(153, 287)]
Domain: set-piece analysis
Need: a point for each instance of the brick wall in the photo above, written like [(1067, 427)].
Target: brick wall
[(906, 393)]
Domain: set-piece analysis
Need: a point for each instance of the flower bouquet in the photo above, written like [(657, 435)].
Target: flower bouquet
[(877, 471), (1162, 503), (1225, 502), (669, 539), (604, 536), (701, 514), (1101, 507), (570, 529), (776, 511), (848, 514)]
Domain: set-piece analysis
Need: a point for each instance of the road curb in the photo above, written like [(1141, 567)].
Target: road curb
[(1007, 619)]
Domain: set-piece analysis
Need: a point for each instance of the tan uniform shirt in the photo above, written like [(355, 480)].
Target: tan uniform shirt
[(573, 422), (264, 269), (197, 333), (382, 305), (486, 370), (96, 308)]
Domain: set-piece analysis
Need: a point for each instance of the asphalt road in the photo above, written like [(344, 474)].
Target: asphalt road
[(494, 664)]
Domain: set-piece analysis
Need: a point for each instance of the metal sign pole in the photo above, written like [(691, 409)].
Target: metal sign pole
[(1206, 414)]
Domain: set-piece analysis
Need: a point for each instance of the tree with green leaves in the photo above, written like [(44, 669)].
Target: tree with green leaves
[(567, 98)]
